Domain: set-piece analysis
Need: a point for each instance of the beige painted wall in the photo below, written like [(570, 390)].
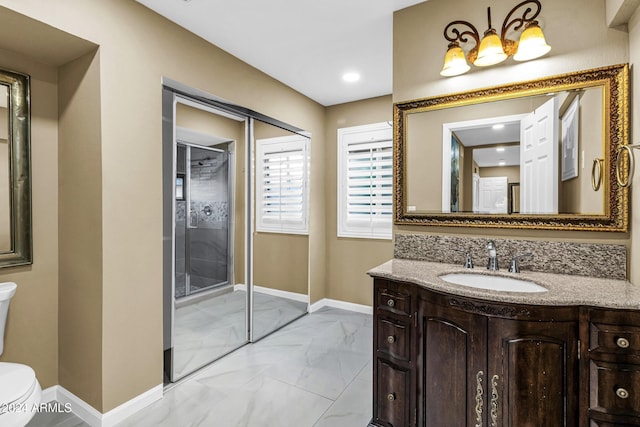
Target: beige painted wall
[(349, 259), (579, 43), (577, 194), (511, 172), (281, 262), (32, 326), (582, 42), (138, 48), (80, 231)]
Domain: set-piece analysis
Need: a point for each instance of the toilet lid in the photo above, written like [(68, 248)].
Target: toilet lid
[(16, 381)]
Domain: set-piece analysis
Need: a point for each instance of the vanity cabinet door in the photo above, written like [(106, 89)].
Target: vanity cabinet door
[(533, 373), (453, 356)]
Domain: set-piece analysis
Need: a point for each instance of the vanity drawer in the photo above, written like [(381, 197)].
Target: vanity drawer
[(620, 339), (615, 332), (615, 388), (394, 338), (392, 407), (393, 299)]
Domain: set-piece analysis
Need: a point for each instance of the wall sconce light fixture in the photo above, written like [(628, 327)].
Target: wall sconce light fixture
[(493, 49)]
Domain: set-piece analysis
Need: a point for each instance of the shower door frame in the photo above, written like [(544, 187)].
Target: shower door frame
[(187, 198)]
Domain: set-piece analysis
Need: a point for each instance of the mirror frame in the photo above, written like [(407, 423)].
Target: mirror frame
[(19, 169), (614, 79)]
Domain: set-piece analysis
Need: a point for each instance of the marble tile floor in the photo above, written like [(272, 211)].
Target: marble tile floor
[(196, 343), (314, 372)]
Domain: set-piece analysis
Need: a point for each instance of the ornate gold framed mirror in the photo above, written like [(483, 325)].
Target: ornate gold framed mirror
[(15, 170), (458, 158)]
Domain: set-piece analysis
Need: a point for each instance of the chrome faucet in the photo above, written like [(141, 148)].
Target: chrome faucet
[(492, 263), (468, 260), (515, 262)]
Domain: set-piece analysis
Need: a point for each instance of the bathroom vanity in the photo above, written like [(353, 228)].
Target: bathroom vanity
[(451, 355)]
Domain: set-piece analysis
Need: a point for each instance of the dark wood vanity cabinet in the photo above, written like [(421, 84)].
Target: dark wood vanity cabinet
[(611, 367), (442, 360), (489, 364)]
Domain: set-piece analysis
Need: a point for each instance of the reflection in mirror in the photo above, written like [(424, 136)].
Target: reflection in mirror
[(514, 155), (209, 301), (483, 154), (5, 183), (280, 240)]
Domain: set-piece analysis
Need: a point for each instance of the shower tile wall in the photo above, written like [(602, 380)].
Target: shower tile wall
[(210, 214)]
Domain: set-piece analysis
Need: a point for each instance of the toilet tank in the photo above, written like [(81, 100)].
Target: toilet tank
[(7, 290)]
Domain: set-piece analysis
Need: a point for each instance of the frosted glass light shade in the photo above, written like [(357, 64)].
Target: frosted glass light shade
[(455, 62), (490, 51), (532, 44)]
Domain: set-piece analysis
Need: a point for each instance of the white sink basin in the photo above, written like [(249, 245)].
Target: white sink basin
[(492, 283)]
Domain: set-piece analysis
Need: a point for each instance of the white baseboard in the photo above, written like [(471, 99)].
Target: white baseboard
[(275, 292), (343, 305), (95, 418)]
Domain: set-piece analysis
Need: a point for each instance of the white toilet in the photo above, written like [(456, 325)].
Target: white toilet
[(20, 391)]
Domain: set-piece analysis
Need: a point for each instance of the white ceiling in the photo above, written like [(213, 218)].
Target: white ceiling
[(307, 45), (491, 140)]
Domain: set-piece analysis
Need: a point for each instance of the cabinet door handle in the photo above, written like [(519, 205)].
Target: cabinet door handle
[(494, 400), (479, 399), (622, 343), (391, 397), (622, 393), (391, 339), (391, 302)]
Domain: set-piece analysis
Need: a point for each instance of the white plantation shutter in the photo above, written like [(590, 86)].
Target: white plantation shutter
[(281, 185), (365, 181)]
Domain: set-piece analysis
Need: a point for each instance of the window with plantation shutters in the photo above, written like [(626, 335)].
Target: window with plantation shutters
[(282, 185), (365, 181)]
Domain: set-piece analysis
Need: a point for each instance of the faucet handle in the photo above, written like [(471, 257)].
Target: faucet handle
[(468, 262), (514, 267)]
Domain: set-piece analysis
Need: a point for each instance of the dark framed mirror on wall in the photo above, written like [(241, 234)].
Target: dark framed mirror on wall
[(15, 170)]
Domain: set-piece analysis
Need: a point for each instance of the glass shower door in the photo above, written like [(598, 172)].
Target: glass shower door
[(202, 220)]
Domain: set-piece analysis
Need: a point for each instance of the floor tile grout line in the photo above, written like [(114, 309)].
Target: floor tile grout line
[(341, 393)]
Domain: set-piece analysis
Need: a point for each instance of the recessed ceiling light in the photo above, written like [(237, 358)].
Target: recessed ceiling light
[(498, 126), (351, 77), (499, 149), (502, 163)]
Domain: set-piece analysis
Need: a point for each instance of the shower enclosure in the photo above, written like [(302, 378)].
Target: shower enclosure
[(202, 219)]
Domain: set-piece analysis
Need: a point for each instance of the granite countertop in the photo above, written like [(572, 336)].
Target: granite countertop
[(563, 290)]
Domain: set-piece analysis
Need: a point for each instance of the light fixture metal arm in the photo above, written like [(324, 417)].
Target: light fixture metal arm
[(456, 35), (528, 16)]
